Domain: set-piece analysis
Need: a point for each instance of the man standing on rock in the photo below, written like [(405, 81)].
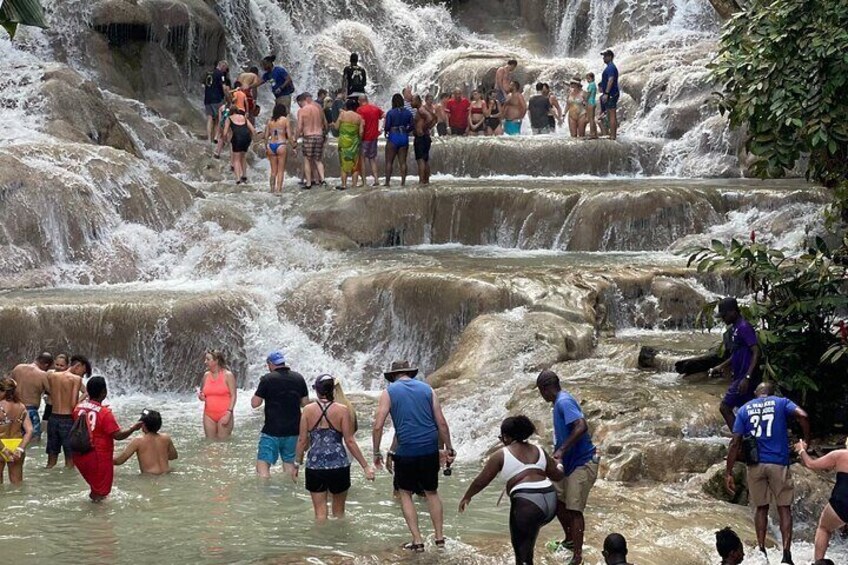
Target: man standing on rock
[(354, 78), (421, 431), (540, 107), (764, 423), (744, 356), (610, 92), (575, 452), (457, 110), (216, 86), (32, 384), (310, 127), (280, 81), (284, 393), (503, 78), (371, 115), (64, 395), (424, 122), (514, 109)]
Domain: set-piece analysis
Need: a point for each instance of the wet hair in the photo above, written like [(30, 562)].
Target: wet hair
[(237, 84), (727, 542), (96, 388), (615, 544), (300, 97), (280, 111), (254, 70), (352, 105), (9, 388), (518, 427), (152, 420), (512, 62), (325, 387), (354, 58), (547, 378), (397, 101), (82, 361), (322, 91), (590, 76), (540, 86), (728, 304), (219, 358), (44, 358), (516, 84), (339, 397)]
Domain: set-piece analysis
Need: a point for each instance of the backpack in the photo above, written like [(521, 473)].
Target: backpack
[(79, 437)]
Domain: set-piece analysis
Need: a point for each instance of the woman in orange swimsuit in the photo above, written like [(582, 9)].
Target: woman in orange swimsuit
[(218, 392)]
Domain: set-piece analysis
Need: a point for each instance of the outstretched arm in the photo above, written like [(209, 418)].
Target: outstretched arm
[(383, 408), (128, 452), (124, 434), (490, 470)]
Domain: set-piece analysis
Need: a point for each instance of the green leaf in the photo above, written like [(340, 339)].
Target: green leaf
[(22, 12)]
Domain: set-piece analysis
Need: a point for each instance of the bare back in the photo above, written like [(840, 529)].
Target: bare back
[(248, 80), (153, 452), (310, 120), (32, 383), (64, 392), (502, 78)]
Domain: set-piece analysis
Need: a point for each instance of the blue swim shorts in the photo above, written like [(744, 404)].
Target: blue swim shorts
[(272, 448), (36, 421)]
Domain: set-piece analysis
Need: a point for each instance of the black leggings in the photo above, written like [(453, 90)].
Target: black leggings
[(530, 509)]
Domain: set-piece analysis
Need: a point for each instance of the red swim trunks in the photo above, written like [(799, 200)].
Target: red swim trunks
[(97, 470)]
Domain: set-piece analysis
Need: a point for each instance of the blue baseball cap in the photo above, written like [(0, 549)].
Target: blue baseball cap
[(276, 358)]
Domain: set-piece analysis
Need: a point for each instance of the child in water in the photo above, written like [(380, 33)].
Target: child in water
[(153, 450)]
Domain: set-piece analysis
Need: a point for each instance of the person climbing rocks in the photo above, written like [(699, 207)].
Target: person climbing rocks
[(743, 360), (279, 79), (503, 78), (216, 87), (762, 426), (574, 450)]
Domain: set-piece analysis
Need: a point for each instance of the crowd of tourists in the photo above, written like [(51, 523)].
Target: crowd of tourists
[(318, 435), (358, 123)]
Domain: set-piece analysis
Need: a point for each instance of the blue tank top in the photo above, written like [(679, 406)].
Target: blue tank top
[(326, 445), (413, 418)]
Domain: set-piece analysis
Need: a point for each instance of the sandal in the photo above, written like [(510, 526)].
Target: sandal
[(440, 543), (416, 547)]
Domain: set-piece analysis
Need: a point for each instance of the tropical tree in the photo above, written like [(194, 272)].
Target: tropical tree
[(20, 12)]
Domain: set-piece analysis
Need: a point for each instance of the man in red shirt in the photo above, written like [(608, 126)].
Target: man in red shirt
[(457, 110), (96, 465), (371, 115)]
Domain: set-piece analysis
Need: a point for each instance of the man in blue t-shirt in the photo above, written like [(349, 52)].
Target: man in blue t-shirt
[(744, 356), (610, 92), (766, 419), (216, 86), (574, 450), (279, 79), (421, 432)]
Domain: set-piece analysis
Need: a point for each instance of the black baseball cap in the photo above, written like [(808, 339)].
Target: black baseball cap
[(607, 52)]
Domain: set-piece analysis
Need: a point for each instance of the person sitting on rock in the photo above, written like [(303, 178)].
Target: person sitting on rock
[(729, 547)]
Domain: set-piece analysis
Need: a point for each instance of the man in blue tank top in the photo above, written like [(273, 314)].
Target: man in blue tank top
[(574, 449), (421, 431), (766, 420)]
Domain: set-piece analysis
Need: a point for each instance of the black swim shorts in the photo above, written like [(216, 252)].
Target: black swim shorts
[(422, 145), (336, 480), (416, 474)]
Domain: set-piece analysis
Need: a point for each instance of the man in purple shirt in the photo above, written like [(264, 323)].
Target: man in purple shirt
[(743, 359)]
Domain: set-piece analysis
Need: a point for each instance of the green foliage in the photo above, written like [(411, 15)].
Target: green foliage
[(798, 308), (783, 65), (20, 12)]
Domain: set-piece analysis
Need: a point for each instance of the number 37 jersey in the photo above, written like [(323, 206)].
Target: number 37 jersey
[(766, 419)]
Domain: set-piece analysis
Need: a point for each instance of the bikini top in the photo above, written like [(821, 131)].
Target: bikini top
[(5, 420), (326, 445), (512, 467)]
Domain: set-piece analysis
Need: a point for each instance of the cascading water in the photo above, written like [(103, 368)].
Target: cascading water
[(119, 237)]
